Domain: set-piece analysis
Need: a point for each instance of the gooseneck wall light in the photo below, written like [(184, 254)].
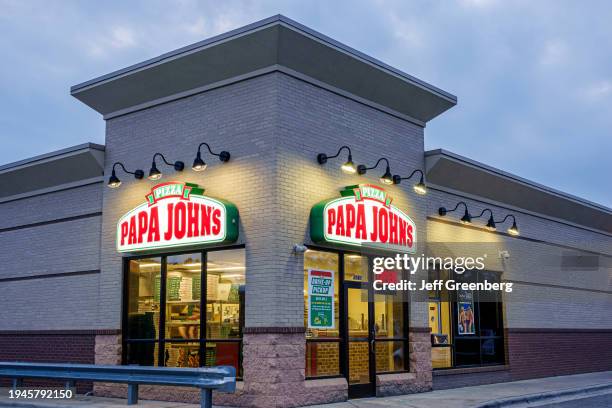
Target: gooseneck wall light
[(386, 178), (348, 167), (113, 180), (513, 230), (419, 188), (466, 219), (490, 223), (155, 174), (200, 165)]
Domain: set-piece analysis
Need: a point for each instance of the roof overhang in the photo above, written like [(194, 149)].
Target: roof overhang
[(70, 165), (274, 43), (458, 173)]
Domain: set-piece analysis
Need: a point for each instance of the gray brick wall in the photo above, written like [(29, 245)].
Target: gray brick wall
[(56, 303), (240, 118), (274, 126), (546, 294), (314, 121), (52, 302), (49, 249), (52, 206)]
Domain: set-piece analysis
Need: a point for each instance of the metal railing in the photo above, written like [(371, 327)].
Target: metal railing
[(221, 378)]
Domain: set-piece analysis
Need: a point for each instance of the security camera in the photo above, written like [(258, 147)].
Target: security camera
[(299, 248), (504, 254)]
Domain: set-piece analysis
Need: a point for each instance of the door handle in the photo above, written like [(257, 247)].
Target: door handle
[(372, 346)]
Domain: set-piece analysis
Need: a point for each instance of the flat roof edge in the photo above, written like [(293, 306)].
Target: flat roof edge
[(71, 149), (516, 178), (360, 55), (259, 25), (171, 54)]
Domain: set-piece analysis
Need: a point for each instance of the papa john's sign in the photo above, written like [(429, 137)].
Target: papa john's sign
[(174, 215), (364, 217)]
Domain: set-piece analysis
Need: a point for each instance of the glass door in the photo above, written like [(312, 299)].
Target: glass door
[(360, 344), (360, 336)]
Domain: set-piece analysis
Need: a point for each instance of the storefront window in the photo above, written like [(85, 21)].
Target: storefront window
[(143, 293), (165, 298), (389, 313), (466, 326), (355, 268), (322, 343), (183, 287), (368, 334)]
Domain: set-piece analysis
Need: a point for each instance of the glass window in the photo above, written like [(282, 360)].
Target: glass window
[(183, 290), (324, 261), (183, 354), (389, 315), (171, 330), (322, 359), (322, 344), (356, 268), (144, 277), (224, 353), (390, 331), (142, 353), (225, 285), (476, 337), (389, 356)]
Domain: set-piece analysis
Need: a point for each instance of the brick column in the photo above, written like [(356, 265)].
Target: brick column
[(419, 346), (274, 372), (108, 352), (419, 379)]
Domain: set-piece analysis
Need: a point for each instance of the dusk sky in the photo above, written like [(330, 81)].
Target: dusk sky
[(533, 78)]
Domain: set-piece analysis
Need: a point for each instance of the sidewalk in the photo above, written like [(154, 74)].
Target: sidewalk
[(479, 396)]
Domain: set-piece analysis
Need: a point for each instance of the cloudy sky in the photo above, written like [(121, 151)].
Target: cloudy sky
[(533, 78)]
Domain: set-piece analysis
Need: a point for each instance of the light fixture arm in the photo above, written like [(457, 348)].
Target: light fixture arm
[(322, 157), (178, 165), (445, 211), (484, 211), (136, 173), (410, 176), (340, 151), (123, 167), (377, 163), (223, 155), (506, 217), (163, 159)]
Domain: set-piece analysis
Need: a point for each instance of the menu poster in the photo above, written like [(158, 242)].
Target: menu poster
[(320, 299), (465, 312)]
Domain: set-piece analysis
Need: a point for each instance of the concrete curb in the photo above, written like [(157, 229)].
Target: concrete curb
[(546, 396)]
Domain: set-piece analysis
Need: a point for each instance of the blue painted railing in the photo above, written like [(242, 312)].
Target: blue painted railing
[(221, 378)]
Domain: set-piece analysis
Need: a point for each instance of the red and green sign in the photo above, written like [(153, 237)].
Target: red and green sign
[(320, 299), (175, 215), (363, 216)]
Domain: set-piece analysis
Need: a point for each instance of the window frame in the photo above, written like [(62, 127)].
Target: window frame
[(452, 305), (161, 339), (342, 340)]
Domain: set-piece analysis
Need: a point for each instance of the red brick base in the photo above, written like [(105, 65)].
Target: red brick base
[(48, 347), (537, 353)]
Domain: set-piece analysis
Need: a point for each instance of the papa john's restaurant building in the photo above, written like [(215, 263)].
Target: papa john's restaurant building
[(275, 165)]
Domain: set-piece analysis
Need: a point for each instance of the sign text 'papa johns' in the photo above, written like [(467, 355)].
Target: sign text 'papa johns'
[(363, 216), (177, 214)]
